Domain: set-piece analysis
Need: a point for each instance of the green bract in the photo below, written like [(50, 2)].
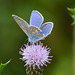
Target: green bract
[(2, 66)]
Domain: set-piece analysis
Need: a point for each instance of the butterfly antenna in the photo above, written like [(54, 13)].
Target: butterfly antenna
[(26, 40), (24, 43)]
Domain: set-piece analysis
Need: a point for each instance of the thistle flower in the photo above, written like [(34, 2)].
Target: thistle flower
[(35, 56)]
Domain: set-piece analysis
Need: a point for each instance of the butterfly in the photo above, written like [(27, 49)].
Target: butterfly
[(36, 31)]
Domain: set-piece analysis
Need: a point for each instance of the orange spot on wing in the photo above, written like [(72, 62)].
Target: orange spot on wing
[(41, 35), (37, 29)]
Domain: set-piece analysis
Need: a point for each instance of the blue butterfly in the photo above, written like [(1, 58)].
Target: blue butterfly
[(35, 31)]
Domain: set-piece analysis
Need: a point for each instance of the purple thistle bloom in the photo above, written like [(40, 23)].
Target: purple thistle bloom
[(35, 54)]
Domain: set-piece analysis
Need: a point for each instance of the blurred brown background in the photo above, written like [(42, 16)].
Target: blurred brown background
[(60, 40)]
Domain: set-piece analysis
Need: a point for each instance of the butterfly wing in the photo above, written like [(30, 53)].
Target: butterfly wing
[(34, 34), (36, 19), (23, 24), (46, 28)]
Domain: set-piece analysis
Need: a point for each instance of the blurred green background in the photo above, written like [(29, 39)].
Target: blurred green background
[(60, 40)]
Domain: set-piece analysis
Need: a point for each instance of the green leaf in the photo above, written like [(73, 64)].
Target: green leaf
[(73, 13), (71, 10), (2, 66)]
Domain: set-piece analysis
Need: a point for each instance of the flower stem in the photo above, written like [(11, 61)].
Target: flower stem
[(74, 49)]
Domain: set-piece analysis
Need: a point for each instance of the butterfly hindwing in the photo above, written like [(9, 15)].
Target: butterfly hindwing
[(46, 28), (34, 34)]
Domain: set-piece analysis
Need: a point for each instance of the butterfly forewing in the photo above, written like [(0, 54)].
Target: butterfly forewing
[(23, 24), (36, 19)]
